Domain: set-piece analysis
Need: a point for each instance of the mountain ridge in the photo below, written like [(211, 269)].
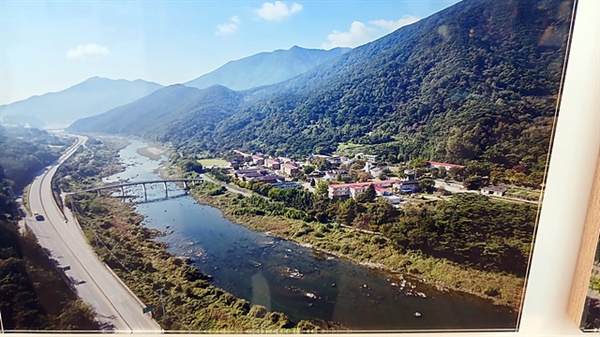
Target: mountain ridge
[(90, 97), (476, 81), (265, 68)]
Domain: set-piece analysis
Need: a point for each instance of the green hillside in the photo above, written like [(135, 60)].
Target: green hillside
[(477, 81)]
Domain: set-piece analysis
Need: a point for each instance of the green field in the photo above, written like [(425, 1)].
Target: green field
[(209, 162)]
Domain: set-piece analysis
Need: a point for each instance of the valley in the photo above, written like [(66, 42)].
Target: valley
[(390, 181)]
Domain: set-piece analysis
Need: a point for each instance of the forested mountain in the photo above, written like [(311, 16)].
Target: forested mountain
[(25, 151), (90, 97), (478, 80), (265, 68), (166, 111)]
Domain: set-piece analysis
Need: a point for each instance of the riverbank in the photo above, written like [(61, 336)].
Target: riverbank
[(160, 279), (373, 251), (180, 297)]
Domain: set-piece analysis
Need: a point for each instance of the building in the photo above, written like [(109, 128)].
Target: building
[(354, 189), (269, 179), (333, 175), (273, 163), (257, 174), (376, 172), (410, 186), (371, 158), (337, 191), (496, 191), (286, 185), (290, 168), (410, 174), (258, 159), (445, 166), (246, 175), (382, 191)]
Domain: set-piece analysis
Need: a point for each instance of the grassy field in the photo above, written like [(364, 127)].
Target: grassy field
[(210, 162)]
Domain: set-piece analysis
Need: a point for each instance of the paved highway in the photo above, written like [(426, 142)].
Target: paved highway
[(116, 307)]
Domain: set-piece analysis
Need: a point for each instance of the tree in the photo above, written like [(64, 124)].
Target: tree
[(363, 176), (474, 182), (322, 190), (457, 173), (368, 195), (477, 168), (191, 165), (381, 211), (346, 211), (308, 169), (385, 174), (427, 185)]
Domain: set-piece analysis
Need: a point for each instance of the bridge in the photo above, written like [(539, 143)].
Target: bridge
[(122, 185)]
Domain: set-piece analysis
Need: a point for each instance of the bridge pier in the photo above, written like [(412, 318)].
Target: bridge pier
[(185, 185), (145, 193), (166, 189), (123, 191)]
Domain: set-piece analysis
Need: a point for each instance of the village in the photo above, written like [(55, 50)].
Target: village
[(348, 177)]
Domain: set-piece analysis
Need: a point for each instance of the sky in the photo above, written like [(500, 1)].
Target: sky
[(48, 46)]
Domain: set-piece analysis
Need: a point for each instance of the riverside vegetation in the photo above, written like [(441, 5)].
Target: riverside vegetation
[(366, 247), (469, 243), (114, 231)]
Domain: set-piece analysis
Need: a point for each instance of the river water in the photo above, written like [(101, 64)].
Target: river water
[(299, 281)]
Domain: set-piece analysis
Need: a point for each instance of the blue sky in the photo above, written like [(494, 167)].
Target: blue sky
[(48, 46)]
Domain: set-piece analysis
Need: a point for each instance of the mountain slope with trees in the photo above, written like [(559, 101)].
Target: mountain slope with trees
[(170, 110), (477, 81)]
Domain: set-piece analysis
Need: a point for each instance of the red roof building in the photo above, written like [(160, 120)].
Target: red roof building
[(445, 166), (354, 189)]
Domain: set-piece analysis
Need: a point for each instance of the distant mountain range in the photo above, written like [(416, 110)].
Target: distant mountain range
[(478, 80), (265, 68), (97, 95), (90, 97)]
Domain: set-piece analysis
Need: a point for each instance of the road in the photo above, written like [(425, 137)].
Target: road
[(452, 187), (115, 306)]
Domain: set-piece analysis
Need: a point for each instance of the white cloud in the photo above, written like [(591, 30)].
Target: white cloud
[(277, 11), (391, 25), (360, 33), (229, 27), (84, 50)]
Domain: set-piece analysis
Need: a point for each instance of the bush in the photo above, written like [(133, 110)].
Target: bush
[(258, 311)]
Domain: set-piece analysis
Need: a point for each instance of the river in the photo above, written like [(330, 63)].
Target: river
[(299, 281)]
